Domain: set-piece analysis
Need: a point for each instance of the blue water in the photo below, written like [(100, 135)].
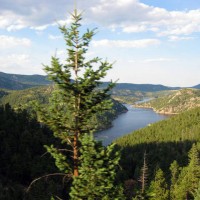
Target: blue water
[(134, 119)]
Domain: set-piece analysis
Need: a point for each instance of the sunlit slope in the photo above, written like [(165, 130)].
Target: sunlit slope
[(178, 101), (185, 126)]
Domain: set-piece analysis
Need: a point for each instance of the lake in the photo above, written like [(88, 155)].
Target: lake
[(125, 123)]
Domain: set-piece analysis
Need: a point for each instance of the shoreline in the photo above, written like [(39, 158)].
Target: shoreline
[(156, 111)]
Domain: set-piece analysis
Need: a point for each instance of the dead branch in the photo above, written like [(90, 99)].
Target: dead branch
[(46, 176)]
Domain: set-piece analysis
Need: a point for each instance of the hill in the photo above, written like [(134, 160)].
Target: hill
[(20, 82), (130, 93), (17, 81), (23, 98), (176, 102), (143, 87), (197, 86), (163, 142), (20, 98), (7, 83)]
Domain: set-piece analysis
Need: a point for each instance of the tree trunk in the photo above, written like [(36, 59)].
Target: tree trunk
[(75, 151)]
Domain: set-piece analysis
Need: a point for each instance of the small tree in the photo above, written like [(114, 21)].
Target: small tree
[(97, 172), (175, 170), (188, 180), (74, 103), (158, 187)]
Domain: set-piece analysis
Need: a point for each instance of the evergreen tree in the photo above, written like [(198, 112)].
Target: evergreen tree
[(174, 168), (97, 172), (74, 103), (197, 195), (189, 177), (158, 188)]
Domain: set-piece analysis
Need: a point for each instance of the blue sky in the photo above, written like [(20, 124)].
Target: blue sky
[(150, 41)]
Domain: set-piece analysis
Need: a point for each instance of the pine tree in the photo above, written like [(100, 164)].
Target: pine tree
[(74, 102), (193, 168), (97, 172), (174, 168), (158, 188), (189, 177)]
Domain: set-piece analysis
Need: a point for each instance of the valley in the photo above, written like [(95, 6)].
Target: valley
[(138, 131)]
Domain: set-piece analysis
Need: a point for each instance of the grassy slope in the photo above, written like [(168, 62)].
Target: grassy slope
[(177, 102)]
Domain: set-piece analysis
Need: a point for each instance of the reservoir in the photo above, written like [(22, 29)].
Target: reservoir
[(134, 119)]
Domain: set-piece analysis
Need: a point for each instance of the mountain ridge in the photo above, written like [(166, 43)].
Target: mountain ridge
[(19, 82)]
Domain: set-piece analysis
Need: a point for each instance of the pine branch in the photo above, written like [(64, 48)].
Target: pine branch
[(46, 176)]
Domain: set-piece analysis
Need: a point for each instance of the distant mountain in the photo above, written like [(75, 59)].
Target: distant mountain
[(197, 86), (141, 87), (176, 102), (19, 82), (10, 84)]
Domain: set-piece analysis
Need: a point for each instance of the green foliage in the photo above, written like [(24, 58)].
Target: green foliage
[(97, 172), (22, 98), (175, 170), (172, 137), (70, 114), (21, 150), (197, 194), (188, 180), (158, 188), (60, 159)]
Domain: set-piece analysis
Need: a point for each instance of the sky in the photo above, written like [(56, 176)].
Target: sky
[(149, 41)]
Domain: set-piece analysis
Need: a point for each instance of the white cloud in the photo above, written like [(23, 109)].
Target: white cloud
[(55, 37), (9, 42), (10, 21), (14, 60), (135, 28), (17, 63), (178, 38), (40, 28), (37, 14), (126, 43), (129, 15), (152, 60), (134, 16)]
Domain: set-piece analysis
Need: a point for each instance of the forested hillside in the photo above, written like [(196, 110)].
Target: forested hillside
[(178, 101), (19, 82), (23, 157), (23, 98), (141, 87), (18, 98), (163, 143)]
